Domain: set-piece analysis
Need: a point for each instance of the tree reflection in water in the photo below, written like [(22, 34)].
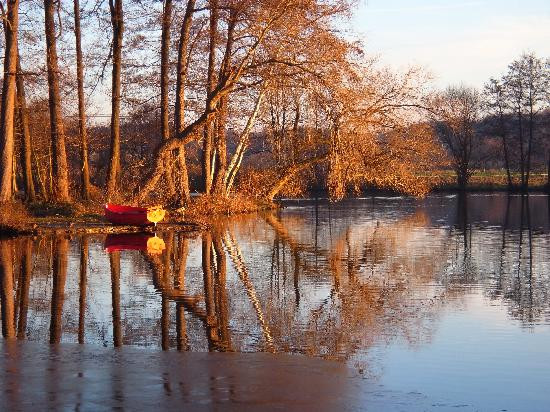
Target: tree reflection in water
[(326, 282)]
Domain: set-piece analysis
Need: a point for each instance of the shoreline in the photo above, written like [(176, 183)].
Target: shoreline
[(200, 217)]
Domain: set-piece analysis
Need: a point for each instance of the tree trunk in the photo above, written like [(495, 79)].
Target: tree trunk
[(521, 151), (165, 68), (237, 157), (57, 132), (221, 143), (164, 89), (506, 154), (210, 82), (8, 102), (179, 115), (114, 163), (530, 141), (180, 170), (85, 176), (26, 150), (291, 172)]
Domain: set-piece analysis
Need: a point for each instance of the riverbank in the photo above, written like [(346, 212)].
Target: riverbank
[(17, 218)]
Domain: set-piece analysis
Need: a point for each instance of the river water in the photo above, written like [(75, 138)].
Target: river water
[(445, 299)]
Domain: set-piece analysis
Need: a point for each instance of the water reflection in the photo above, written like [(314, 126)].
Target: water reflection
[(152, 244), (325, 280)]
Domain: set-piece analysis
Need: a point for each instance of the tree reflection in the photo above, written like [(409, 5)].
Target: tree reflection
[(6, 274), (320, 282), (60, 251), (114, 260), (82, 287), (24, 286)]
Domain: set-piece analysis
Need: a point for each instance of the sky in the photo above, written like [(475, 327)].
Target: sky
[(460, 41)]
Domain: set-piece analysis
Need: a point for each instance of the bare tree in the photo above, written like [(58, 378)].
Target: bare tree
[(496, 105), (182, 179), (85, 174), (26, 149), (57, 132), (458, 110), (526, 85), (165, 68), (207, 157), (8, 101), (117, 23)]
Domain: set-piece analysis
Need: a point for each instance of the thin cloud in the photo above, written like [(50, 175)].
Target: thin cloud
[(418, 9)]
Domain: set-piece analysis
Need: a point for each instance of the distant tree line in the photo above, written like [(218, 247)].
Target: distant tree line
[(506, 125)]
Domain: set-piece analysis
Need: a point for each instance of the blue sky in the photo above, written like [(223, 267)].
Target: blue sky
[(458, 41)]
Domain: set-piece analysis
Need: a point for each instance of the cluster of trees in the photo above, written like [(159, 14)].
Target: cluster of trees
[(506, 125), (201, 91)]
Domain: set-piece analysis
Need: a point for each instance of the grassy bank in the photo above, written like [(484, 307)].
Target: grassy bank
[(487, 180)]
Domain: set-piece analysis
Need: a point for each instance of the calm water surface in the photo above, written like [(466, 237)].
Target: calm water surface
[(444, 299)]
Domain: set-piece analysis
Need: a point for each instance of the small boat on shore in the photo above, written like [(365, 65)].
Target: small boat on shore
[(131, 215)]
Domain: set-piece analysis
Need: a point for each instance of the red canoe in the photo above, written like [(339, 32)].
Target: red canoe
[(130, 215)]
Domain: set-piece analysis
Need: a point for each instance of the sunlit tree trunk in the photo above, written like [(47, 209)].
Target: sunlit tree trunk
[(8, 102), (85, 173), (179, 113), (207, 157), (289, 173), (165, 68), (164, 89), (181, 175), (237, 158), (115, 7), (59, 156), (221, 142)]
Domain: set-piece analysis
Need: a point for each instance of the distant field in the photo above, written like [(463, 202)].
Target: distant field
[(487, 180)]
